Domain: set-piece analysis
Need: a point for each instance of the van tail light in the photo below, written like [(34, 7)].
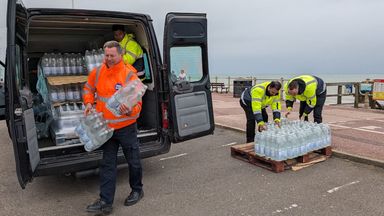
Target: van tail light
[(165, 115)]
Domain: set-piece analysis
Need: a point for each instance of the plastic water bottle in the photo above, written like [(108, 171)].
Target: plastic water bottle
[(93, 131), (72, 64), (60, 65), (53, 64), (76, 92), (128, 95), (45, 65), (67, 64), (61, 94), (69, 93), (54, 95), (79, 64), (89, 61)]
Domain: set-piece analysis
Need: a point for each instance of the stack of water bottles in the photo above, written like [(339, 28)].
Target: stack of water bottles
[(129, 95), (93, 131), (57, 64), (93, 58), (66, 93), (292, 139)]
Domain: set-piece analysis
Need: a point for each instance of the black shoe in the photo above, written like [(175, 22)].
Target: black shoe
[(99, 206), (133, 198)]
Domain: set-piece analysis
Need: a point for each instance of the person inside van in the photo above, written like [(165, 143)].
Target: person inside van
[(105, 81), (133, 52)]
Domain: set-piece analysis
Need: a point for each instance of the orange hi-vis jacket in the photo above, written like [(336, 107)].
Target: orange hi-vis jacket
[(102, 83)]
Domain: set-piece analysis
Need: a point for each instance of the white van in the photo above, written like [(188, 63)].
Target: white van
[(174, 109)]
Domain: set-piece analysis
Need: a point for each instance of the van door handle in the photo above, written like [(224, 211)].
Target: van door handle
[(18, 111)]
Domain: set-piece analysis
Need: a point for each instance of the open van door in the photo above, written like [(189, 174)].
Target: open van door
[(20, 116), (2, 91), (186, 62)]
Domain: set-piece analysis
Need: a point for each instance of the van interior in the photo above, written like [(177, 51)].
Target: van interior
[(75, 34)]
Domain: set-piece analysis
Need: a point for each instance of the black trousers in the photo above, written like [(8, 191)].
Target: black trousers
[(317, 110), (251, 121), (127, 138)]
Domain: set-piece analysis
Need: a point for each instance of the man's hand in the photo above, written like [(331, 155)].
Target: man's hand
[(278, 123), (287, 114), (88, 109), (262, 127), (124, 109)]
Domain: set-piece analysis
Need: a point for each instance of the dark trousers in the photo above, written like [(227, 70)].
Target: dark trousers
[(317, 110), (251, 121), (127, 138)]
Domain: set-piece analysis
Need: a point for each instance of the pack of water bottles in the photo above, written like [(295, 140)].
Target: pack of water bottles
[(129, 95), (65, 93), (93, 131), (93, 58), (67, 64), (292, 139)]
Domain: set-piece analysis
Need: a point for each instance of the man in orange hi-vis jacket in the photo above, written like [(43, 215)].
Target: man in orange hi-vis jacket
[(104, 81)]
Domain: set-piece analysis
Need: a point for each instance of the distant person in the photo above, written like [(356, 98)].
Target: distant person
[(311, 91), (133, 52), (255, 100), (182, 75)]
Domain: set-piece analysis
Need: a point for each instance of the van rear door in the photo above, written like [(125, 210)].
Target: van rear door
[(20, 117), (186, 59)]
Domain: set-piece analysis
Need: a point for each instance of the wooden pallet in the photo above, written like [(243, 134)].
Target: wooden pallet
[(246, 152)]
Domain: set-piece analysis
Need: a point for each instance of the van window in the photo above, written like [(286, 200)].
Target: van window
[(186, 63)]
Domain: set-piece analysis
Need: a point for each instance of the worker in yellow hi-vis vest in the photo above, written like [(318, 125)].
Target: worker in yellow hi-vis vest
[(311, 91), (255, 100)]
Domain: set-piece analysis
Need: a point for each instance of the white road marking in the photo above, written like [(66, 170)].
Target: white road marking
[(342, 186), (286, 208), (229, 144), (378, 132), (370, 127), (175, 156), (340, 126)]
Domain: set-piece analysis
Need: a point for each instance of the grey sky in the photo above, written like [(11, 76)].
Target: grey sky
[(272, 36)]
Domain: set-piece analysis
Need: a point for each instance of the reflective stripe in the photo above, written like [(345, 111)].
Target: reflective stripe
[(103, 99), (129, 52), (87, 92), (324, 88), (90, 87), (140, 73), (311, 106), (290, 100), (258, 86), (312, 81), (123, 119), (257, 112), (242, 98), (276, 101), (312, 97), (276, 110), (128, 76), (97, 75), (256, 99)]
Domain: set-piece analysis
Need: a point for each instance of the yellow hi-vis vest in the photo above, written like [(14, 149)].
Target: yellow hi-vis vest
[(131, 48), (309, 94), (261, 100)]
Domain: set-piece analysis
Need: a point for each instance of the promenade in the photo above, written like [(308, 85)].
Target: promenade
[(357, 134)]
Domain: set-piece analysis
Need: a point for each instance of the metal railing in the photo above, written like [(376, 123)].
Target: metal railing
[(228, 81)]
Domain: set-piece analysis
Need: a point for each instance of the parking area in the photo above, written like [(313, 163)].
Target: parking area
[(199, 177)]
